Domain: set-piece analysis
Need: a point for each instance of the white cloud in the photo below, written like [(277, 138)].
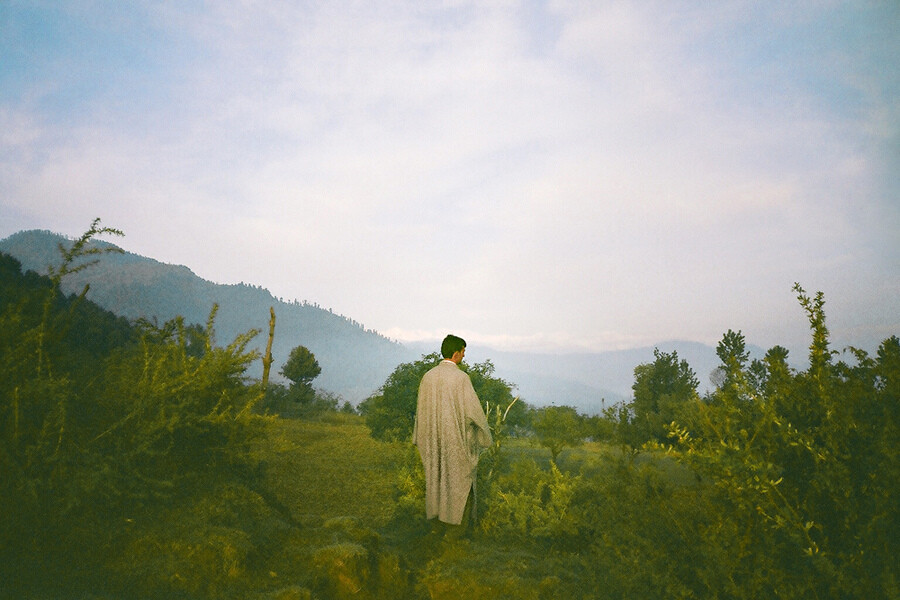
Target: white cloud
[(634, 175)]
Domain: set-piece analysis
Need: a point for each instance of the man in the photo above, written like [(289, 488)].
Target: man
[(449, 431)]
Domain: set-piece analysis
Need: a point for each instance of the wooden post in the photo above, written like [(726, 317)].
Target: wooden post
[(267, 359)]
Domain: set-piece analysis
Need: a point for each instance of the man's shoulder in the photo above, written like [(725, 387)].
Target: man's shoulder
[(445, 369), (434, 371)]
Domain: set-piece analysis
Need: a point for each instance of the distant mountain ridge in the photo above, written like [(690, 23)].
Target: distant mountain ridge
[(355, 361), (592, 381)]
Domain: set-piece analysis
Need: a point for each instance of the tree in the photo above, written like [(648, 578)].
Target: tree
[(601, 427), (804, 470), (733, 378), (661, 390), (772, 372), (496, 396), (390, 413), (558, 427), (301, 368), (732, 351)]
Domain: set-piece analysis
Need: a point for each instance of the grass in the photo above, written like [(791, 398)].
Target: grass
[(331, 468), (334, 517)]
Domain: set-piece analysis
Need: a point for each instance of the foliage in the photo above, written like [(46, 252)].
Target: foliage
[(601, 427), (529, 502), (173, 415), (640, 528), (661, 390), (804, 464), (558, 427), (301, 368), (48, 471), (295, 403), (791, 498), (390, 413), (500, 420), (94, 432), (496, 394)]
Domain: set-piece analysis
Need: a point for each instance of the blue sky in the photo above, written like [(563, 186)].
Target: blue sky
[(532, 175)]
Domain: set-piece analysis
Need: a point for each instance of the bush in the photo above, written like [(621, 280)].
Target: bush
[(93, 433), (803, 465), (529, 503)]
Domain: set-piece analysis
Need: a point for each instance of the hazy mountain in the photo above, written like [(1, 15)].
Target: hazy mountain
[(611, 373), (592, 381), (355, 361)]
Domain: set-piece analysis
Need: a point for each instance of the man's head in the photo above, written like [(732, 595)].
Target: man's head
[(453, 348)]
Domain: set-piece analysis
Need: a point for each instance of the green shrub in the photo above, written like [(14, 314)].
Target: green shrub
[(528, 502), (803, 466)]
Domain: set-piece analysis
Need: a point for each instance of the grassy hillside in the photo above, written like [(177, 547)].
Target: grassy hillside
[(331, 468)]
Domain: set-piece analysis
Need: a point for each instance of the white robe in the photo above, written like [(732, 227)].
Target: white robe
[(450, 430)]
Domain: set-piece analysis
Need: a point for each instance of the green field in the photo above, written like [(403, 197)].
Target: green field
[(331, 468), (360, 531)]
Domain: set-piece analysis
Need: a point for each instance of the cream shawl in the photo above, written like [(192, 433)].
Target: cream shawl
[(450, 430)]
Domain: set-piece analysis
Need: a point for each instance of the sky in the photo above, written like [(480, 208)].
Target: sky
[(535, 176)]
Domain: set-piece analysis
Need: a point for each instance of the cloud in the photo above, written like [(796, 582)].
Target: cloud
[(592, 175)]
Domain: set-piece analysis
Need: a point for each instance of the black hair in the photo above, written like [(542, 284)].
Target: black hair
[(451, 345)]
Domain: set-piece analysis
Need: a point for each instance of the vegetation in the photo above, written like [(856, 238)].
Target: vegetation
[(140, 461), (84, 447), (777, 484), (134, 286), (804, 463), (557, 427), (301, 367), (661, 389), (299, 398)]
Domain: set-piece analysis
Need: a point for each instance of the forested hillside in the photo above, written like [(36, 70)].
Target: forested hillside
[(354, 361)]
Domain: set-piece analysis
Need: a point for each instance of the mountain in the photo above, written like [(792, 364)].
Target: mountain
[(595, 380), (613, 371), (355, 361)]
